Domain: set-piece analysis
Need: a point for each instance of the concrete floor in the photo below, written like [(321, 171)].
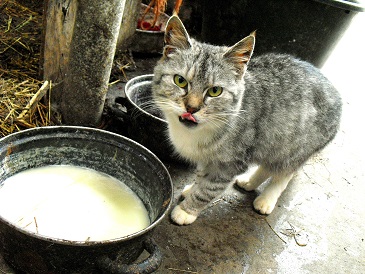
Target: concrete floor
[(318, 225)]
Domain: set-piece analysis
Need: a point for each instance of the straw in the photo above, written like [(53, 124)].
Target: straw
[(22, 94)]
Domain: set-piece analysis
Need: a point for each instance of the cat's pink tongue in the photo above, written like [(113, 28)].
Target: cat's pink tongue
[(188, 116)]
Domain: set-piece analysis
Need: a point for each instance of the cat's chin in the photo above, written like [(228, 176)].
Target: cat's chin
[(187, 123)]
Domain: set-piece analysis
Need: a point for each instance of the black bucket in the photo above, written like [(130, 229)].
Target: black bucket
[(307, 29)]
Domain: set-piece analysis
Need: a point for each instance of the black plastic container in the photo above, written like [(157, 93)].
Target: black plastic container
[(103, 151), (307, 29)]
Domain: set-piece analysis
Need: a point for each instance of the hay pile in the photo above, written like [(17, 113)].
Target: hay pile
[(20, 105), (20, 44)]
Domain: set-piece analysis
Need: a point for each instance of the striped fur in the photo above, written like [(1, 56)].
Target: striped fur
[(275, 111)]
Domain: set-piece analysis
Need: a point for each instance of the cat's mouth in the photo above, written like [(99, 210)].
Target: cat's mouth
[(188, 119)]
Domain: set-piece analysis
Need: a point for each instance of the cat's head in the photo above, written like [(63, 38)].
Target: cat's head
[(199, 85)]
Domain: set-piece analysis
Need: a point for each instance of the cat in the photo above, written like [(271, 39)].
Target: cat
[(227, 111)]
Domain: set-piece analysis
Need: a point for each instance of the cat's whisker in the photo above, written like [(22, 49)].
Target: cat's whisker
[(168, 105), (234, 113), (218, 120)]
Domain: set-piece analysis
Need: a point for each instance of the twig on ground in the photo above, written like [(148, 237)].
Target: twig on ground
[(275, 231), (187, 271), (292, 232)]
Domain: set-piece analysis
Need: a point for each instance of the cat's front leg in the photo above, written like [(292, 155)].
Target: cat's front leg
[(196, 199), (200, 172), (181, 217), (186, 190)]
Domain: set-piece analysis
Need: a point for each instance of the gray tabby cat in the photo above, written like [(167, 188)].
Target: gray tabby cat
[(223, 118)]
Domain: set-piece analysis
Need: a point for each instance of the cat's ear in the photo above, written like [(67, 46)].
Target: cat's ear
[(176, 36), (240, 54)]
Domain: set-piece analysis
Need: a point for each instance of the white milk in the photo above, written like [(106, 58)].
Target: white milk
[(71, 203)]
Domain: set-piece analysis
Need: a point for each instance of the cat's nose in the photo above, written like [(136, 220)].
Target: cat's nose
[(192, 109)]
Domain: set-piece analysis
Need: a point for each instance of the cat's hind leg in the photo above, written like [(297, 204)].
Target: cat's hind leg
[(266, 201), (250, 183)]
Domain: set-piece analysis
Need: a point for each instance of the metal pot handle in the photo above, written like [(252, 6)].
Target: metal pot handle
[(148, 265)]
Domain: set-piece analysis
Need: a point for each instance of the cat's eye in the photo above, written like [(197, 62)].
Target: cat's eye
[(180, 81), (215, 91)]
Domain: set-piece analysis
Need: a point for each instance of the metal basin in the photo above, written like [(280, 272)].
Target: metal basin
[(102, 151)]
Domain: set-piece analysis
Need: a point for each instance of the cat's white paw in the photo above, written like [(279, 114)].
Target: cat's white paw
[(181, 217), (243, 181), (264, 205), (186, 190)]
